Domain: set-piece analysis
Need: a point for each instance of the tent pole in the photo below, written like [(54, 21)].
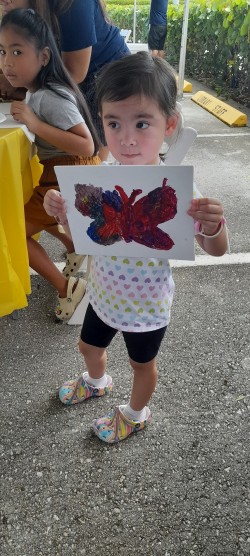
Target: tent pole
[(134, 22), (183, 50)]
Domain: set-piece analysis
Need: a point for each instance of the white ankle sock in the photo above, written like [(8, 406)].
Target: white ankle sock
[(97, 382), (132, 414)]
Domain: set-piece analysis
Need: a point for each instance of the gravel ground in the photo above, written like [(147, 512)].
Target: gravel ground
[(182, 486)]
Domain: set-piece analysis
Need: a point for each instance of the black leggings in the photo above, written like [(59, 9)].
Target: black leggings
[(142, 346)]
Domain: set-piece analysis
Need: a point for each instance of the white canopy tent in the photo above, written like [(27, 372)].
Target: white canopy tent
[(183, 44)]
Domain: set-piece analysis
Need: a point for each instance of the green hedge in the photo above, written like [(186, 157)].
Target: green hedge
[(111, 4), (218, 48)]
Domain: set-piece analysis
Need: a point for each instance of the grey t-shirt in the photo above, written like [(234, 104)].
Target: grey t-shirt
[(57, 111)]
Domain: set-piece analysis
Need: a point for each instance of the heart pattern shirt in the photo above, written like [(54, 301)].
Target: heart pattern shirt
[(131, 294)]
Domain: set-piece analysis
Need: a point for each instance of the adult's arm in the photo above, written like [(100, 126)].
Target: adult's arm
[(77, 63)]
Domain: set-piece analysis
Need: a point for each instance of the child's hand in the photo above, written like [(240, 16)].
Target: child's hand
[(55, 205), (208, 212), (21, 112)]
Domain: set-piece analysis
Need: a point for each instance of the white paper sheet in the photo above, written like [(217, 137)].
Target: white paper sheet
[(147, 178), (7, 121)]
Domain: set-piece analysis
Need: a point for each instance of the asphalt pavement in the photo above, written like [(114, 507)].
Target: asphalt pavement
[(179, 488)]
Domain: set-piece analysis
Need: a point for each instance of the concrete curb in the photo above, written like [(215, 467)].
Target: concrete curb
[(187, 87), (226, 113)]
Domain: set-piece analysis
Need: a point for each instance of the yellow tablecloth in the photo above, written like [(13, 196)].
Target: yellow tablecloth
[(18, 176)]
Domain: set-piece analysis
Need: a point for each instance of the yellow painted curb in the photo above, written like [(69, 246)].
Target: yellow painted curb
[(187, 87), (220, 109)]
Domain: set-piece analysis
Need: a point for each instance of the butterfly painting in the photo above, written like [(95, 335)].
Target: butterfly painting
[(117, 216), (130, 211)]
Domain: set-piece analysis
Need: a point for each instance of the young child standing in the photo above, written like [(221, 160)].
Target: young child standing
[(57, 114), (137, 100)]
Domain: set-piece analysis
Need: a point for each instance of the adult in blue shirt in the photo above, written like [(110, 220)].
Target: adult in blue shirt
[(158, 27), (87, 41)]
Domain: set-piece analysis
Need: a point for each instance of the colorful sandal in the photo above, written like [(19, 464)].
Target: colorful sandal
[(115, 427), (77, 391)]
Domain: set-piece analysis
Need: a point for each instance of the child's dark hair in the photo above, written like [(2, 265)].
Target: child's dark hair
[(138, 74), (33, 28)]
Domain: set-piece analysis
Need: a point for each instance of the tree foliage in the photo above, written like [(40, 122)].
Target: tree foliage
[(218, 48)]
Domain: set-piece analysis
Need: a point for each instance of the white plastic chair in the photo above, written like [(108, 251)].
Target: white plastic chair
[(125, 33), (137, 47), (179, 142)]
